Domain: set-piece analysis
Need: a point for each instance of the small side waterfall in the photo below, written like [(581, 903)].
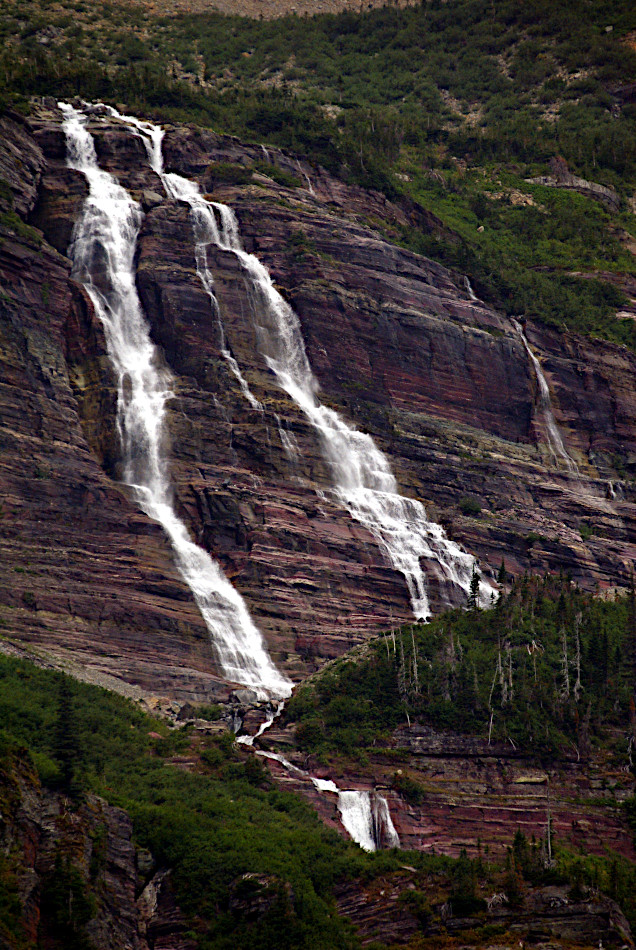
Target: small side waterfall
[(364, 815), (102, 252), (555, 440), (469, 289)]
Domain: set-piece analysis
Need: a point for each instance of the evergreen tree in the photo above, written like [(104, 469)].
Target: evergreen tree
[(473, 595), (65, 739), (502, 576)]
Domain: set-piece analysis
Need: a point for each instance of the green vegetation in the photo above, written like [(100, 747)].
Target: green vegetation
[(549, 668), (212, 826), (451, 106)]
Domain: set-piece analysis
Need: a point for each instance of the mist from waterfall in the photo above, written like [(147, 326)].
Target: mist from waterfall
[(102, 251)]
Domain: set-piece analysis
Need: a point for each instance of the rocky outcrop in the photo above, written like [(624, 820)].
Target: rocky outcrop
[(441, 381), (447, 793), (391, 910), (116, 897), (562, 177)]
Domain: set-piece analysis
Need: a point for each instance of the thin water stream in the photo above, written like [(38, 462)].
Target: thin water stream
[(556, 444), (365, 815)]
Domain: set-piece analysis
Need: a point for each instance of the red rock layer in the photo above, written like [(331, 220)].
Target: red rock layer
[(443, 384)]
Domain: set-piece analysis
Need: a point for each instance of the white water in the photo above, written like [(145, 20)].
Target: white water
[(364, 815), (310, 187), (555, 440), (469, 289), (363, 480), (102, 251), (272, 715), (204, 228)]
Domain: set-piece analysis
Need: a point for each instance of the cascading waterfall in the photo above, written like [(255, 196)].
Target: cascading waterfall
[(555, 440), (363, 480), (364, 815), (204, 227), (205, 233), (102, 252)]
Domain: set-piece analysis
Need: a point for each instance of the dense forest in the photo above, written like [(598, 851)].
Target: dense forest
[(453, 106), (221, 816), (549, 667)]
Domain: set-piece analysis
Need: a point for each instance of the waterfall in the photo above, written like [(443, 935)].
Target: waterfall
[(365, 815), (102, 252), (272, 715), (363, 481), (555, 440), (469, 289), (362, 478), (310, 187), (384, 830), (205, 233)]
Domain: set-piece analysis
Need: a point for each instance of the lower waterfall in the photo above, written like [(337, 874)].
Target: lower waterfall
[(102, 252), (364, 815), (362, 478)]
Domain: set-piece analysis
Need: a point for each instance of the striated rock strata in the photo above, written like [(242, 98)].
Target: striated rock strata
[(441, 381)]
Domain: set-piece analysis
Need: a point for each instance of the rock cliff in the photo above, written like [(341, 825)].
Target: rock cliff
[(441, 381), (77, 873)]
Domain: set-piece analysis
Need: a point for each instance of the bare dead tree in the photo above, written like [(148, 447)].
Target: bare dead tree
[(577, 658), (503, 682), (565, 666), (416, 680), (401, 674), (510, 683)]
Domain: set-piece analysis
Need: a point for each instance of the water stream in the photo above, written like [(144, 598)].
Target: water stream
[(362, 478), (102, 252), (555, 440), (365, 815), (469, 289)]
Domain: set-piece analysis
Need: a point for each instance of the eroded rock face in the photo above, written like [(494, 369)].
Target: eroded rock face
[(442, 382), (387, 911)]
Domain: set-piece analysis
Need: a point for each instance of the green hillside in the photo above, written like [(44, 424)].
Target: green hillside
[(453, 105)]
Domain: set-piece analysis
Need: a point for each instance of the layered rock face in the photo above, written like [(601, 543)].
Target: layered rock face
[(121, 900), (86, 578), (442, 382)]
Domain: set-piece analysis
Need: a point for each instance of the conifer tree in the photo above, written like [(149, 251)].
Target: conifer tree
[(65, 739), (473, 595)]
